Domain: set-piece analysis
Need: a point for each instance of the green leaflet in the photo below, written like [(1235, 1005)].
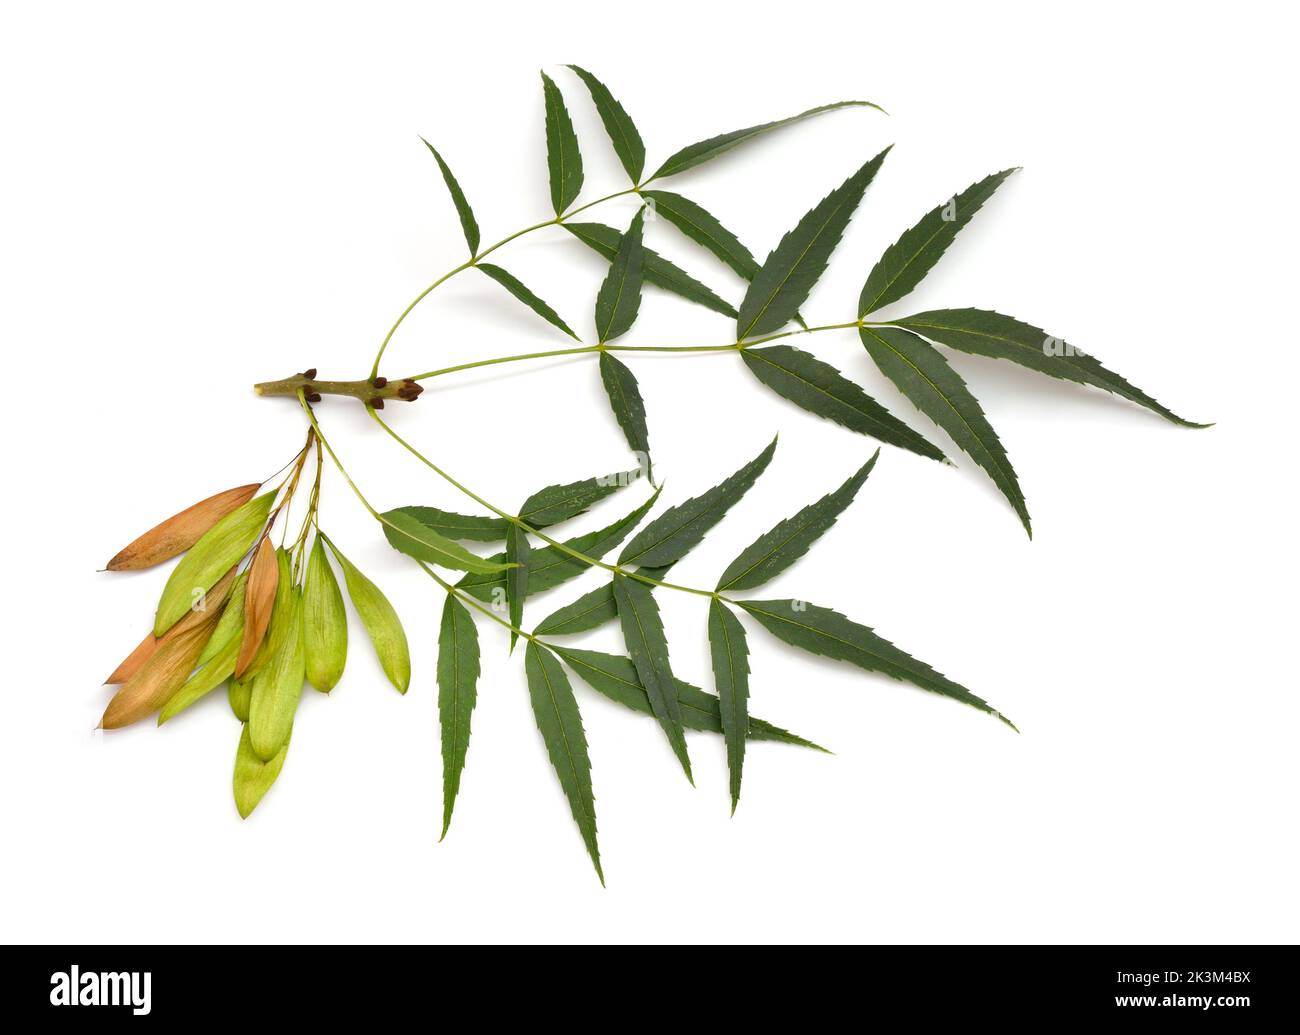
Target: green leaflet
[(820, 630), (591, 610), (703, 228), (775, 550), (557, 503), (550, 567), (819, 388), (253, 777), (522, 292), (210, 675), (647, 645), (466, 214), (615, 677), (560, 723), (277, 689), (618, 124), (219, 550), (458, 672), (911, 257), (670, 536), (924, 376), (730, 654), (657, 270), (230, 626), (563, 159), (324, 622), (619, 297), (381, 622), (517, 553), (985, 333), (458, 526), (782, 285), (625, 400), (696, 154), (407, 533)]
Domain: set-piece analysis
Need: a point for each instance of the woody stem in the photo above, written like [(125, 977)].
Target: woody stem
[(371, 391)]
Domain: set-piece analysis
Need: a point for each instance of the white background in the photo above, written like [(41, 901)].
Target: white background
[(198, 197)]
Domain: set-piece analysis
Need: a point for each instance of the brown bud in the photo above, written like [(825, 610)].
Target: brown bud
[(259, 598), (375, 402), (313, 397), (410, 390), (310, 373), (380, 382), (180, 531)]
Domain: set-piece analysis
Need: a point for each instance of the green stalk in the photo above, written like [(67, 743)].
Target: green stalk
[(514, 519), (474, 261), (734, 346)]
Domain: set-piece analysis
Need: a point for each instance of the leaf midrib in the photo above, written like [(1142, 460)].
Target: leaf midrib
[(732, 692)]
